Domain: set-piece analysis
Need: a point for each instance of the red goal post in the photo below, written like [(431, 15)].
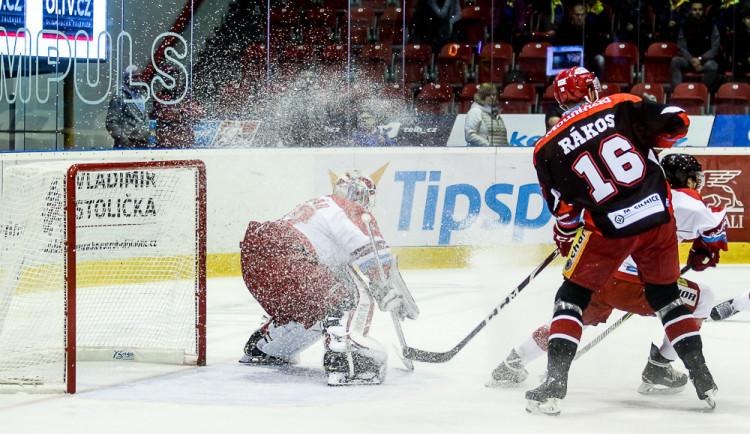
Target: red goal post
[(110, 264)]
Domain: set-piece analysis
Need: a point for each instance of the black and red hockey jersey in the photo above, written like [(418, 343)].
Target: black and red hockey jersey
[(600, 158)]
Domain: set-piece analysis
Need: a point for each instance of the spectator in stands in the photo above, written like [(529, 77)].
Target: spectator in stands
[(434, 20), (127, 120), (698, 39), (175, 110), (726, 14), (670, 18), (367, 132), (483, 125), (741, 65), (588, 29), (632, 23), (552, 15), (511, 22)]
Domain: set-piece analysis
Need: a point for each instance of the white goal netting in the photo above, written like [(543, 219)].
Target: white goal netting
[(136, 290)]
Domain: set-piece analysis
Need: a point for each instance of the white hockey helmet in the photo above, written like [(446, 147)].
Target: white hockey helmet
[(356, 186)]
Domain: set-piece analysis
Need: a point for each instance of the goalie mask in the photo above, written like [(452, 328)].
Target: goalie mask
[(356, 187), (678, 168), (572, 86)]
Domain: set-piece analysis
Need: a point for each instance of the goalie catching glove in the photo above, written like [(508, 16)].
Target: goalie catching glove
[(392, 294)]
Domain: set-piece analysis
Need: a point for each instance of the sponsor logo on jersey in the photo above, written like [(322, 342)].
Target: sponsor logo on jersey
[(636, 212)]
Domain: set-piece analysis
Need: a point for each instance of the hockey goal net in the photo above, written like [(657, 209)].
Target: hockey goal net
[(100, 262)]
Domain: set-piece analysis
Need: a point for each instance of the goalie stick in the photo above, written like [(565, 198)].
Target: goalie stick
[(367, 219), (440, 357), (612, 328)]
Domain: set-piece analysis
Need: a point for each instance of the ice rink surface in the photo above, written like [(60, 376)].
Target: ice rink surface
[(224, 396)]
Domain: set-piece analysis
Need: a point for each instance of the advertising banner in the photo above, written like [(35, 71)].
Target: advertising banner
[(451, 198), (726, 181)]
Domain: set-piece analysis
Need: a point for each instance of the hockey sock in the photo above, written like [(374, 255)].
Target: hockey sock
[(742, 301), (559, 359), (570, 301), (530, 349), (667, 350), (676, 318)]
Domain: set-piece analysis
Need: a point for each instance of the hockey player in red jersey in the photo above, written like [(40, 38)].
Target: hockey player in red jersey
[(302, 269), (602, 181), (695, 222)]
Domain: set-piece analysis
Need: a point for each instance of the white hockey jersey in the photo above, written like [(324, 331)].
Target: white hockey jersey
[(692, 218), (334, 227)]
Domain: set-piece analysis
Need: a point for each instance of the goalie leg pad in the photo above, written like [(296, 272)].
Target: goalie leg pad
[(352, 357), (283, 342)]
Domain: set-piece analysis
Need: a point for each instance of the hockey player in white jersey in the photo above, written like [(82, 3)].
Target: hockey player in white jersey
[(695, 221), (315, 272)]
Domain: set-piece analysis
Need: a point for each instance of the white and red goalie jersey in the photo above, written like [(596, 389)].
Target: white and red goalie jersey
[(334, 228), (694, 219)]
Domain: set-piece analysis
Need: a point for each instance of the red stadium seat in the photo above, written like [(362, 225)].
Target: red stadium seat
[(466, 97), (473, 26), (283, 22), (391, 25), (652, 91), (362, 19), (533, 61), (733, 99), (372, 61), (318, 26), (548, 99), (454, 62), (294, 58), (518, 98), (620, 63), (434, 98), (657, 63), (254, 63), (692, 97), (412, 62), (333, 61), (609, 89), (494, 61), (396, 91)]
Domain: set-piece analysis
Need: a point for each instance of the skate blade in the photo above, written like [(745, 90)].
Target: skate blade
[(550, 407), (339, 379), (503, 384), (260, 361), (711, 398), (656, 389)]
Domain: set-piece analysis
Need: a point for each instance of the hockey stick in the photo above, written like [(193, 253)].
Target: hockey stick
[(612, 328), (438, 357), (366, 219)]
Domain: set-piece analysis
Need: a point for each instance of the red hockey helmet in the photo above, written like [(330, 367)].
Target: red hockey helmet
[(572, 85)]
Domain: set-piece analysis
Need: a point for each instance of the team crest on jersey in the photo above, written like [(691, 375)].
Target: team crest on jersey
[(582, 237)]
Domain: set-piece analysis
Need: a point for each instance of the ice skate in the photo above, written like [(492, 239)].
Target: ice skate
[(351, 368), (701, 377), (510, 372), (547, 398), (659, 376), (704, 385), (723, 310), (254, 356)]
